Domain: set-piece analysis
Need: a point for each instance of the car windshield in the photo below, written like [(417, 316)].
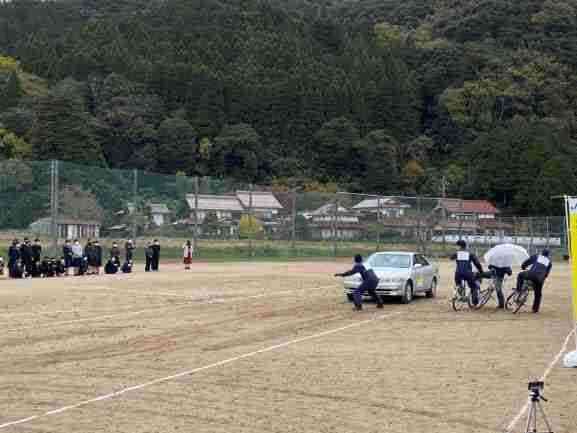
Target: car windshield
[(390, 261)]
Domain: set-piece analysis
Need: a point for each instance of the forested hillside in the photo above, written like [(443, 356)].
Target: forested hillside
[(387, 96)]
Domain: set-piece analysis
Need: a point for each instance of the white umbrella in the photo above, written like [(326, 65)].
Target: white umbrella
[(506, 255)]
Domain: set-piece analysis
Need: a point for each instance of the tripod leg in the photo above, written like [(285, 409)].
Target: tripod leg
[(549, 429), (530, 419)]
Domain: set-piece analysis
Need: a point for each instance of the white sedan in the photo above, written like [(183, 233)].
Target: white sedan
[(401, 274)]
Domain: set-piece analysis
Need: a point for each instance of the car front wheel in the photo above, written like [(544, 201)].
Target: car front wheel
[(407, 294), (432, 292)]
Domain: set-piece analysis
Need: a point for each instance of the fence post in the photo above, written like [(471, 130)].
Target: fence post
[(134, 199), (250, 217), (54, 205), (335, 229), (419, 234), (195, 233), (379, 216), (294, 221), (548, 231)]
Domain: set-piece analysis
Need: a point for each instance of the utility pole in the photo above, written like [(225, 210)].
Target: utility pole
[(54, 205), (195, 234), (134, 199)]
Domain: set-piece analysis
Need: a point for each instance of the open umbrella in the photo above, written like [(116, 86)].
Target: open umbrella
[(506, 255)]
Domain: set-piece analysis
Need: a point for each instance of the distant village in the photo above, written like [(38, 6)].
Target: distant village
[(219, 216)]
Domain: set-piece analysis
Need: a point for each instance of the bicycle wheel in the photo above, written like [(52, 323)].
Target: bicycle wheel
[(516, 300), (484, 297), (460, 300)]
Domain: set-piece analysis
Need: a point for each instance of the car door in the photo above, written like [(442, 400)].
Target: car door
[(427, 272), (418, 273)]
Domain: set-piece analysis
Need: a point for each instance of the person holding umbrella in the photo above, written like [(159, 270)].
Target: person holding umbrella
[(500, 260)]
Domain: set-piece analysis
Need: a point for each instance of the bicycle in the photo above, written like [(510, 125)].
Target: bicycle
[(462, 297), (487, 293), (517, 299)]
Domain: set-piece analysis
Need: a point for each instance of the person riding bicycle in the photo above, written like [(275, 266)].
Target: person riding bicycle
[(499, 276), (369, 284), (464, 269), (540, 268)]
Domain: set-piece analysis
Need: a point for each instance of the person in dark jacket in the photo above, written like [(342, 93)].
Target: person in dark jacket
[(156, 255), (369, 284), (540, 268), (129, 250), (115, 254), (465, 261), (36, 258), (110, 267), (26, 256), (97, 256), (149, 255), (13, 257), (67, 254), (127, 267), (499, 274)]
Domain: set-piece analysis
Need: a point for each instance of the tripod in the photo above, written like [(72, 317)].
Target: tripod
[(536, 398)]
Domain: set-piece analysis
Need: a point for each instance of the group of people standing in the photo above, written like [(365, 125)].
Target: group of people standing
[(25, 259)]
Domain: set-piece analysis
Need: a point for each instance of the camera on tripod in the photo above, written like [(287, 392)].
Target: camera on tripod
[(536, 387)]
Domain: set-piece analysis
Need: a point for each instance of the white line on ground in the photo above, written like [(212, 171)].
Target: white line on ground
[(550, 367), (195, 370), (207, 300)]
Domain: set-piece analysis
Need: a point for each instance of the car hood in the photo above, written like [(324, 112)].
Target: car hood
[(384, 273)]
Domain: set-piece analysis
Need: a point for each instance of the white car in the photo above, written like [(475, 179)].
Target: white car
[(400, 274)]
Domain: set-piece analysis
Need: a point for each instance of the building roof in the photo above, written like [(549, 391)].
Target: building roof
[(469, 206), (68, 221), (376, 203), (209, 202), (260, 200), (157, 208), (328, 209)]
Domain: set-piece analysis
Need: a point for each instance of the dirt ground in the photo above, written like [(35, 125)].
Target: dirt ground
[(269, 348)]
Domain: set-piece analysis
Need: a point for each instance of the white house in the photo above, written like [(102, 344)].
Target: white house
[(159, 213), (327, 223), (386, 206), (67, 228), (264, 205)]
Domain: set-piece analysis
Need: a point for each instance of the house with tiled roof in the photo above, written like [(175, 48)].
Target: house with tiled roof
[(263, 204), (469, 216)]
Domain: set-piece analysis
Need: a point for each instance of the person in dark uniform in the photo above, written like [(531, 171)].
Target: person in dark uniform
[(127, 267), (26, 256), (110, 267), (67, 254), (129, 250), (369, 284), (13, 258), (541, 266), (149, 255), (115, 254), (97, 257), (156, 255), (464, 269), (60, 267), (36, 257)]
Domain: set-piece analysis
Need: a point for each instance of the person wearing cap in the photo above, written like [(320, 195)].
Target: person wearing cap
[(540, 268), (465, 261), (369, 284)]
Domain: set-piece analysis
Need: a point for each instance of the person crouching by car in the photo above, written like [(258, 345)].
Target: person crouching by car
[(369, 284)]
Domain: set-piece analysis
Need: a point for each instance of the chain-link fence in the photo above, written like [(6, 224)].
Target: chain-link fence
[(222, 218)]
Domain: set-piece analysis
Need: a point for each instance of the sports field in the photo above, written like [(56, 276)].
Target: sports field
[(258, 347)]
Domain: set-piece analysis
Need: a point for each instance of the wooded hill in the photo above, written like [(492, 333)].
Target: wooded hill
[(384, 96)]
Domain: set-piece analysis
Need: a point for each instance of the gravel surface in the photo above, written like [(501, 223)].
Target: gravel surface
[(270, 348)]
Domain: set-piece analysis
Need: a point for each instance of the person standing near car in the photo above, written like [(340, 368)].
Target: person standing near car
[(369, 284), (541, 266), (464, 269)]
